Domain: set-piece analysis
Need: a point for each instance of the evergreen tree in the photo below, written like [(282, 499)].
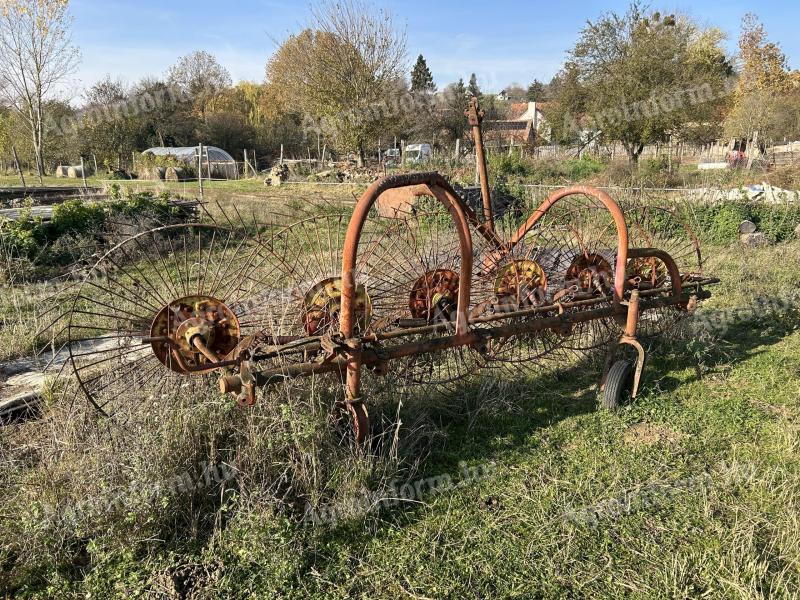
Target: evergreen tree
[(473, 90), (421, 77), (536, 91)]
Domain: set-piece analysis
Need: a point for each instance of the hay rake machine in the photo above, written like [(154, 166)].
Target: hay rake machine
[(423, 294)]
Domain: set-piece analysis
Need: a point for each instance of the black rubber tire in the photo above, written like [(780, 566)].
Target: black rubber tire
[(619, 384)]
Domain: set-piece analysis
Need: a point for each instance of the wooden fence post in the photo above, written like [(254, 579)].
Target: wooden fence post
[(83, 175), (19, 169), (200, 168)]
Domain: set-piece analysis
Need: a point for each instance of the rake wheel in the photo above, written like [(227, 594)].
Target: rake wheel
[(506, 283), (410, 269), (166, 303), (567, 256), (655, 227)]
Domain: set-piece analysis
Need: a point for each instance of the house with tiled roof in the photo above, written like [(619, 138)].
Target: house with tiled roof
[(525, 125)]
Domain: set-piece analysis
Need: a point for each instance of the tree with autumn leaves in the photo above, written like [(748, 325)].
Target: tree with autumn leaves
[(766, 100), (342, 73)]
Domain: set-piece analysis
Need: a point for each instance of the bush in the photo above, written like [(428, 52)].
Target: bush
[(74, 216), (719, 223), (581, 168), (542, 171), (76, 230), (513, 165)]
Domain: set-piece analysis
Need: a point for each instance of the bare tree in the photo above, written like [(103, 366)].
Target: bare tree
[(343, 71), (201, 77), (36, 55)]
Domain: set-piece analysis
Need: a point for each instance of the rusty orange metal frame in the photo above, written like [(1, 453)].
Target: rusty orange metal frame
[(462, 217)]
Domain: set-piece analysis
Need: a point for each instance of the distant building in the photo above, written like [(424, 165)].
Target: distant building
[(526, 125)]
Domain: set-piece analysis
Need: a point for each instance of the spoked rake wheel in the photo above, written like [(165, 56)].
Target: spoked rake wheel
[(165, 304), (411, 269), (655, 227), (568, 256), (509, 282)]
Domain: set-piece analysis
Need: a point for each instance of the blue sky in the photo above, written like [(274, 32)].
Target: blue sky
[(502, 41)]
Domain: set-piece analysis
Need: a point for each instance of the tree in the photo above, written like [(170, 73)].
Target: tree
[(421, 77), (201, 77), (5, 130), (644, 77), (252, 100), (763, 62), (473, 90), (536, 91), (453, 103), (229, 131), (342, 73), (173, 123), (767, 95), (106, 128), (516, 93), (37, 55), (61, 145), (570, 99)]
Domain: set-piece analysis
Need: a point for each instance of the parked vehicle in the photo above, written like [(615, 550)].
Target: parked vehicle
[(391, 156)]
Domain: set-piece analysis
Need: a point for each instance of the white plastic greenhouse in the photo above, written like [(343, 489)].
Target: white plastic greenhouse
[(221, 164)]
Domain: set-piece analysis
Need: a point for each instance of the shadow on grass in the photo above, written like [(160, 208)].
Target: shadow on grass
[(479, 427), (541, 400)]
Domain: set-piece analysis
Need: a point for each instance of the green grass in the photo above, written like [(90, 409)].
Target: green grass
[(576, 503), (189, 188)]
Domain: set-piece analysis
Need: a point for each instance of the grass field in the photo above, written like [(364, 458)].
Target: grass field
[(512, 488)]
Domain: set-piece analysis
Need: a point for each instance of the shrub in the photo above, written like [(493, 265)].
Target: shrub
[(581, 168), (74, 216), (503, 164), (63, 240), (719, 222), (543, 171)]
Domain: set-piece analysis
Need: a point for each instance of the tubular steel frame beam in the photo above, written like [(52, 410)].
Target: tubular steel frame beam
[(442, 191), (372, 357)]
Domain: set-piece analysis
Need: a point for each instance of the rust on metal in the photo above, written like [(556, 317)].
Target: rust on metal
[(214, 310), (475, 117), (192, 334)]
